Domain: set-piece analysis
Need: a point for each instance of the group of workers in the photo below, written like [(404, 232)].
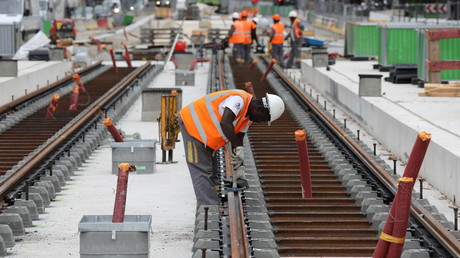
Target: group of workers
[(242, 34)]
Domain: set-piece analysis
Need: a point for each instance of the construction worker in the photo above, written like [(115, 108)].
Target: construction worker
[(254, 31), (248, 27), (210, 123), (296, 40), (236, 37), (277, 39)]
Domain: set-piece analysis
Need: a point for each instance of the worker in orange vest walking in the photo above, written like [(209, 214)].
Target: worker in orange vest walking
[(236, 37), (277, 39), (296, 40), (248, 28), (212, 122)]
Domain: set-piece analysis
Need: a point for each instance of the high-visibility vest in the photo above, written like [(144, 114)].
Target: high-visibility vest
[(238, 34), (202, 118), (296, 29), (278, 38), (248, 25)]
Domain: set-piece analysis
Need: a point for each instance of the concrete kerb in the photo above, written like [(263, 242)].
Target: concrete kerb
[(264, 243), (30, 205), (78, 155), (38, 200), (49, 186), (23, 212), (14, 221), (7, 234), (362, 195), (378, 220)]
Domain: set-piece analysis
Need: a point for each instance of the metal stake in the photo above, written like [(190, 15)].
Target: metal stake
[(421, 179), (333, 113), (357, 132), (345, 123), (375, 149), (394, 166), (206, 210), (311, 92), (317, 98), (325, 105)]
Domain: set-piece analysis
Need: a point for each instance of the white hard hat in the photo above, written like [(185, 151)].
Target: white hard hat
[(235, 15), (292, 13), (256, 20), (275, 106)]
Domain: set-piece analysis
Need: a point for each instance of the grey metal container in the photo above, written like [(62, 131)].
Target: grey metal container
[(319, 59), (8, 68), (101, 238), (185, 78), (370, 85), (140, 153), (151, 102)]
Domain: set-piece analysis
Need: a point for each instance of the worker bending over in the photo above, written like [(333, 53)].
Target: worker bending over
[(277, 40), (296, 40), (210, 123)]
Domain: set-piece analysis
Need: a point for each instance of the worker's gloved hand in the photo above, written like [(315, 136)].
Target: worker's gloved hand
[(237, 157)]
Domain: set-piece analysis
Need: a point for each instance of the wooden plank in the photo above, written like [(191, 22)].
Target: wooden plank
[(443, 65), (430, 86), (433, 56), (440, 94), (443, 34), (443, 89)]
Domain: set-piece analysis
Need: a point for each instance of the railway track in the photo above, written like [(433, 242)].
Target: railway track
[(333, 223), (30, 148)]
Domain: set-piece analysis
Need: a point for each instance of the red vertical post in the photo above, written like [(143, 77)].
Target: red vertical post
[(52, 107), (74, 98), (113, 131), (254, 62), (272, 62), (99, 47), (113, 60), (249, 88), (120, 197), (305, 173), (391, 240), (127, 55), (77, 80)]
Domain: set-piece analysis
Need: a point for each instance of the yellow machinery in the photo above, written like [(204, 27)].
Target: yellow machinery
[(169, 125)]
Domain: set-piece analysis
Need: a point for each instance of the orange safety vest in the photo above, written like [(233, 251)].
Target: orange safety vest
[(278, 38), (237, 36), (247, 28), (202, 118), (296, 28)]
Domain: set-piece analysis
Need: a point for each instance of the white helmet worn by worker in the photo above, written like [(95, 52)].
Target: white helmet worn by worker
[(235, 15), (256, 20), (292, 13), (275, 106)]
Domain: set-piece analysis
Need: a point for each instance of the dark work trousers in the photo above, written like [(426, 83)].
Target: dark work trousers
[(277, 53), (295, 54), (203, 168), (247, 53)]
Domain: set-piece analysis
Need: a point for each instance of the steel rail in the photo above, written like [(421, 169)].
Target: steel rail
[(9, 107), (14, 179), (239, 242), (421, 214)]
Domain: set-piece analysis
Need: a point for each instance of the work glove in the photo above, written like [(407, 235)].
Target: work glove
[(237, 156)]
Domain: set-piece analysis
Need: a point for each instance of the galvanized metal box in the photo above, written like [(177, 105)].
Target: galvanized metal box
[(56, 54), (370, 85), (140, 153), (151, 102), (184, 78), (8, 68), (319, 59), (101, 238)]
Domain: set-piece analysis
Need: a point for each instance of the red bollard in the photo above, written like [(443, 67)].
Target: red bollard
[(391, 240), (268, 70), (305, 174), (99, 47), (254, 62), (77, 80), (52, 107), (113, 131), (74, 98), (120, 197), (249, 88), (113, 60), (127, 56)]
